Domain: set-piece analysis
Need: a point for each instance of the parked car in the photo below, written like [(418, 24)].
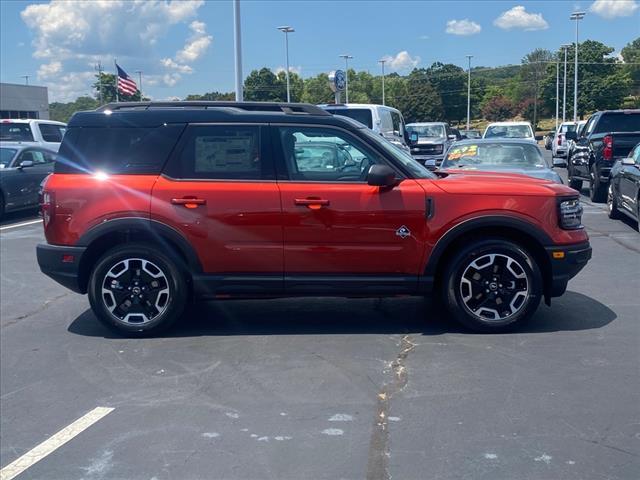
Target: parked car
[(22, 168), (607, 136), (548, 139), (571, 144), (218, 200), (499, 156), (45, 133), (383, 120), (510, 130), (624, 188), (471, 134), (434, 138), (559, 146)]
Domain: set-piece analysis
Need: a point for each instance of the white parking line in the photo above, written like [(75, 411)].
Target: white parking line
[(53, 443), (23, 224)]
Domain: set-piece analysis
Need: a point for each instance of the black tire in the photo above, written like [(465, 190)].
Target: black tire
[(574, 183), (1, 205), (612, 204), (151, 282), (597, 191), (509, 260)]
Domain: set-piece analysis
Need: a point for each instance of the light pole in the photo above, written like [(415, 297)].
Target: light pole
[(237, 43), (577, 16), (26, 78), (382, 62), (564, 89), (557, 90), (139, 72), (346, 74), (287, 30), (469, 57)]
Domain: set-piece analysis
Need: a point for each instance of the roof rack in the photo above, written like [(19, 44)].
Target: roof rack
[(287, 108)]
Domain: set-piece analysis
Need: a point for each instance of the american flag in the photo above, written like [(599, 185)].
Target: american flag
[(126, 85)]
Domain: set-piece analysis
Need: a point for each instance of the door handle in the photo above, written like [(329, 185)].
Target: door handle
[(312, 203), (189, 202)]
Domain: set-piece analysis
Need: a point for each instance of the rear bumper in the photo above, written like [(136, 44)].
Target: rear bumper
[(62, 264), (566, 261)]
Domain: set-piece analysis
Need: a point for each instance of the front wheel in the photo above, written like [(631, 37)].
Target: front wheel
[(137, 290), (492, 286)]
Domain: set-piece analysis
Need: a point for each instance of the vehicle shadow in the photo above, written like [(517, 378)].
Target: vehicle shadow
[(20, 216), (329, 316)]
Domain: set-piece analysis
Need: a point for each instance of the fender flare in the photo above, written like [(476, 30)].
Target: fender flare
[(488, 221)]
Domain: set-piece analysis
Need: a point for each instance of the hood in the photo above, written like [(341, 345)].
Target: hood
[(431, 140), (542, 173), (492, 183)]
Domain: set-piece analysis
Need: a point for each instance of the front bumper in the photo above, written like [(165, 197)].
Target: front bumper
[(566, 261), (62, 264)]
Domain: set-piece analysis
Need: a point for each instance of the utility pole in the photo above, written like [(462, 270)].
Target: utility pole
[(564, 90), (287, 30), (346, 74), (26, 78), (469, 57), (382, 62), (237, 49), (98, 68), (577, 16), (139, 72), (557, 91)]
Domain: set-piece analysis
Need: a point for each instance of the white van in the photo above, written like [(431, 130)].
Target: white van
[(386, 121), (509, 130), (44, 133)]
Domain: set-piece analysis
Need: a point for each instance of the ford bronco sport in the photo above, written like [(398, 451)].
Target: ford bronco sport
[(152, 205)]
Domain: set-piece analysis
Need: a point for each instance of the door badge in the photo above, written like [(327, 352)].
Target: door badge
[(403, 232)]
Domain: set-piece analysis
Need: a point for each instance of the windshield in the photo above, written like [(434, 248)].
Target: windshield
[(494, 156), (6, 155), (362, 115), (427, 131), (508, 131), (471, 134), (568, 127), (417, 170), (15, 132)]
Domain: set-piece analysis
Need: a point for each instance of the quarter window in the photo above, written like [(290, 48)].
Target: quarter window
[(220, 152), (51, 132), (320, 154)]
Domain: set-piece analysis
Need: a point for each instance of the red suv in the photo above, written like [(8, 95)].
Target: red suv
[(152, 205)]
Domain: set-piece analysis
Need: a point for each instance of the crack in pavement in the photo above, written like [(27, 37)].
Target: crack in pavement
[(600, 233), (41, 308), (379, 451)]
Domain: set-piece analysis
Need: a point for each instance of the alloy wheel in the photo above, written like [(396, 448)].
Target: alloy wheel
[(135, 291), (494, 287)]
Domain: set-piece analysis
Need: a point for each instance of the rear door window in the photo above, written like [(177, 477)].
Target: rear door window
[(15, 132), (51, 132), (220, 152), (114, 150)]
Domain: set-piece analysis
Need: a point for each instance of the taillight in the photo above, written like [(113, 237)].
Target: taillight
[(48, 207), (607, 147), (559, 139)]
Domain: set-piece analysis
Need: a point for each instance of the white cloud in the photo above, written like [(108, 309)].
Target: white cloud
[(70, 36), (519, 18), (423, 37), (614, 8), (292, 69), (463, 27), (196, 45), (47, 70), (402, 61)]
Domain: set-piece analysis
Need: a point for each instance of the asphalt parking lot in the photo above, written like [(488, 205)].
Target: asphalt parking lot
[(326, 388)]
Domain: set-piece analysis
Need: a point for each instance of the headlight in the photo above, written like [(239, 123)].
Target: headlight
[(570, 214)]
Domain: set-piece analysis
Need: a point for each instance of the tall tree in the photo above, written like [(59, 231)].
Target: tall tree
[(263, 86), (213, 96), (422, 102), (450, 81), (535, 66), (631, 56)]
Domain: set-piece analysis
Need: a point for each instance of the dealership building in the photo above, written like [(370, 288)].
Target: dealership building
[(23, 101)]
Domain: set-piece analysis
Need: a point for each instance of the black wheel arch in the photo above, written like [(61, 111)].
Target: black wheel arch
[(106, 235), (521, 232)]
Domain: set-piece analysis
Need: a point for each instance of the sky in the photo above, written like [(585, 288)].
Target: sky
[(186, 47)]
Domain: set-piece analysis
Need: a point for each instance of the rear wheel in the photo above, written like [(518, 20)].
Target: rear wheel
[(597, 191), (612, 203), (137, 290), (492, 286)]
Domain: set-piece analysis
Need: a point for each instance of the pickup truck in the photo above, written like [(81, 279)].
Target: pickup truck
[(607, 136), (42, 133)]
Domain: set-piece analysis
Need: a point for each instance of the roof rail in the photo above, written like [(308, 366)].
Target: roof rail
[(287, 108)]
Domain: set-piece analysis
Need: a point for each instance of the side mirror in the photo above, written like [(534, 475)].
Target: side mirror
[(26, 164), (571, 135), (381, 176), (413, 137), (628, 161)]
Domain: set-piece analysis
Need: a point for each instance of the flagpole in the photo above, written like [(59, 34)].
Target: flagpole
[(117, 95)]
